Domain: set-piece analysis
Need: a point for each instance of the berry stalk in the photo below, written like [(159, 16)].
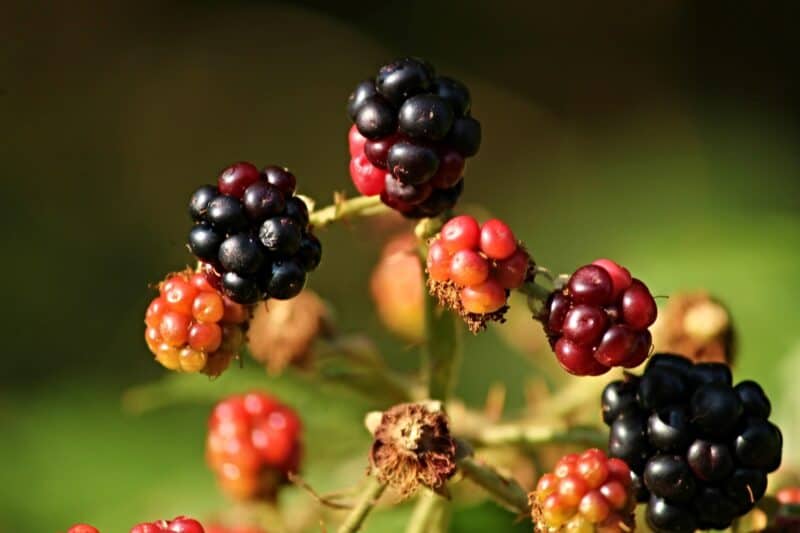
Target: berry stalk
[(360, 206), (431, 514), (442, 350), (532, 435), (369, 496), (504, 490)]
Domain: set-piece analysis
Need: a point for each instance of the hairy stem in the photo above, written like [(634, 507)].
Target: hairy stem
[(441, 354), (369, 496), (431, 514), (506, 491), (342, 209)]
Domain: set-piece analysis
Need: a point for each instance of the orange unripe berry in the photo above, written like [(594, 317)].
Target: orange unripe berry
[(619, 470), (201, 282), (234, 313), (152, 336), (205, 337), (438, 261), (579, 524), (571, 489), (616, 494), (168, 356), (487, 297), (468, 268), (83, 528), (460, 233), (566, 466), (511, 272), (179, 295), (594, 507), (593, 470), (155, 311), (192, 360), (174, 328), (497, 240), (546, 486), (555, 512), (208, 307)]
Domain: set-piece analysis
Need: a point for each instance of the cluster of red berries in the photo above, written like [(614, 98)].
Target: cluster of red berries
[(253, 445), (254, 232), (192, 327), (600, 319), (587, 492), (482, 262), (180, 524), (411, 133)]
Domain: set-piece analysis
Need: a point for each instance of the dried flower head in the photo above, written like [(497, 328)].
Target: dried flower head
[(697, 326), (413, 447), (282, 332), (448, 294)]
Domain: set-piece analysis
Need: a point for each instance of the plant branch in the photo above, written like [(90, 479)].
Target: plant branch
[(342, 209), (441, 353), (369, 496), (538, 434), (431, 514), (506, 491)]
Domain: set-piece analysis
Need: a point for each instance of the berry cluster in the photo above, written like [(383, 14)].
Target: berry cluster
[(599, 320), (471, 268), (584, 492), (253, 445), (192, 327), (699, 448), (83, 528), (411, 132), (180, 524), (254, 232)]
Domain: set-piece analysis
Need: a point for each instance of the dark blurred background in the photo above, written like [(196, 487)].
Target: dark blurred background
[(663, 134)]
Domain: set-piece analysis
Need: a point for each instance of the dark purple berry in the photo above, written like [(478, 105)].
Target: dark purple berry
[(198, 204), (619, 397), (376, 119), (617, 345), (240, 289), (204, 242), (585, 325), (640, 492), (279, 177), (754, 401), (226, 214), (310, 253), (280, 235), (713, 509), (759, 445), (236, 178), (590, 285), (745, 487), (455, 93), (465, 136), (426, 116), (557, 307), (661, 387), (378, 151), (362, 92), (297, 210), (412, 163), (262, 201), (403, 78), (628, 440), (715, 410), (668, 476), (438, 202), (286, 280), (710, 461), (666, 517), (669, 429), (241, 253), (677, 363), (705, 373), (409, 194)]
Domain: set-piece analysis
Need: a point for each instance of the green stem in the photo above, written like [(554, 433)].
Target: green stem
[(369, 496), (342, 209), (537, 435), (536, 293), (506, 491), (441, 353), (431, 514)]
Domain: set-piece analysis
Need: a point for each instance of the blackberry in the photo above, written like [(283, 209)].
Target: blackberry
[(248, 228), (417, 127), (699, 448), (603, 314)]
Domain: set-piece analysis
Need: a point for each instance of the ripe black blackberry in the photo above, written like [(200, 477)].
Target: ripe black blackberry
[(412, 131), (254, 233), (699, 448)]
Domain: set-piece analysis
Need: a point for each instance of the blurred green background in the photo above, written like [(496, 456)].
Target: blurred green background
[(662, 134)]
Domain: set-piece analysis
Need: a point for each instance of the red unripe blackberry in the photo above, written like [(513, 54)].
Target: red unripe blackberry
[(485, 298), (591, 285), (355, 141), (460, 233), (154, 312), (438, 261), (497, 240), (620, 276), (174, 328), (576, 359), (208, 307), (205, 337), (468, 268), (236, 178), (512, 272), (584, 325), (253, 443), (638, 306), (83, 528), (616, 346), (789, 496), (583, 494), (178, 294), (368, 179)]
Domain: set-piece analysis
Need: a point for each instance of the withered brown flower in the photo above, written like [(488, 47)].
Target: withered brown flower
[(413, 447)]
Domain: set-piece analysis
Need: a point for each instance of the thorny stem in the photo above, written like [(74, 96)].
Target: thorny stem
[(431, 514), (506, 491), (342, 209), (369, 496)]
